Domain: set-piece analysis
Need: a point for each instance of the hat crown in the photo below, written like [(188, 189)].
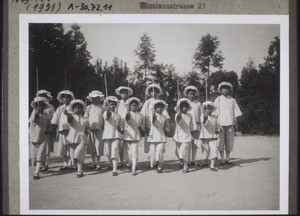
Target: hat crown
[(77, 101)]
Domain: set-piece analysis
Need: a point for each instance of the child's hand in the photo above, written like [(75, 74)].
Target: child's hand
[(66, 112), (37, 112), (108, 115), (205, 114), (127, 117), (154, 118), (179, 117), (120, 130), (147, 131), (236, 128)]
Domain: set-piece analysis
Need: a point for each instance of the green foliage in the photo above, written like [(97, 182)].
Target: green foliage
[(207, 54), (259, 94), (222, 76)]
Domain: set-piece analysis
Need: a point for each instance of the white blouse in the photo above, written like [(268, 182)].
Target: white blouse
[(156, 133), (183, 128), (227, 110), (94, 114), (132, 132), (110, 126)]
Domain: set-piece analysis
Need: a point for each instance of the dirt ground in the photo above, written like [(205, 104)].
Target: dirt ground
[(251, 184)]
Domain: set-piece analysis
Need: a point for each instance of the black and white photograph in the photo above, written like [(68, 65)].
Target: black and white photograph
[(154, 114)]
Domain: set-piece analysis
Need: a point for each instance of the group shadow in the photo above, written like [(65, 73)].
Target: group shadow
[(143, 166)]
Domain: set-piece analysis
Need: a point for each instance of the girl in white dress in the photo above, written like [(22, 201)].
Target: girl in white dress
[(122, 109), (49, 110), (60, 123), (183, 131), (76, 138), (157, 138), (191, 92), (112, 133), (153, 91), (94, 114), (134, 123)]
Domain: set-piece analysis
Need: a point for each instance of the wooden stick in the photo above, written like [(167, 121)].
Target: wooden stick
[(178, 94), (105, 84), (37, 78)]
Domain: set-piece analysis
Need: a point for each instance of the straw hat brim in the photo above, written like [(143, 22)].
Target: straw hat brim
[(41, 99), (73, 102), (128, 101), (59, 95), (190, 88), (153, 86), (118, 90)]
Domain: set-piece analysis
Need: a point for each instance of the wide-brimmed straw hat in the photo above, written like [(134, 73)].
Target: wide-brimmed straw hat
[(67, 92), (94, 94), (224, 84), (118, 90), (128, 101), (177, 107), (159, 102), (110, 98), (151, 86), (44, 92), (39, 99), (77, 101), (208, 103), (185, 91)]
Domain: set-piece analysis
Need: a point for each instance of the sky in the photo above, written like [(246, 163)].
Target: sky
[(176, 43)]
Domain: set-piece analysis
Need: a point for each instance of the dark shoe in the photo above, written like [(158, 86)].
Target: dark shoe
[(72, 168), (121, 166), (185, 171), (64, 168), (115, 173), (204, 165), (92, 167), (128, 165), (213, 169), (44, 169), (222, 163), (133, 172), (159, 171), (155, 165), (229, 163), (79, 175), (36, 177)]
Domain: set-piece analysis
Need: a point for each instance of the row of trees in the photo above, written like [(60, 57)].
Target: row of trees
[(63, 62)]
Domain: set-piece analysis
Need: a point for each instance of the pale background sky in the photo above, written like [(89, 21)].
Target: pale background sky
[(176, 43)]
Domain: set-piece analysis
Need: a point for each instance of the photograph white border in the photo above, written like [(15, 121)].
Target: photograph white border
[(25, 19)]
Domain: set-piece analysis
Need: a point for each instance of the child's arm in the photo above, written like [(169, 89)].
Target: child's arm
[(218, 127), (127, 117), (69, 116), (178, 117), (154, 118)]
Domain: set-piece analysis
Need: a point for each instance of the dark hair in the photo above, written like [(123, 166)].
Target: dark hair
[(187, 92), (225, 86), (184, 104), (211, 107), (76, 104), (155, 89), (111, 101), (160, 104), (65, 95), (133, 101)]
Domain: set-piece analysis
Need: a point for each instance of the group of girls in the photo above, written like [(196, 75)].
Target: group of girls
[(112, 127)]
